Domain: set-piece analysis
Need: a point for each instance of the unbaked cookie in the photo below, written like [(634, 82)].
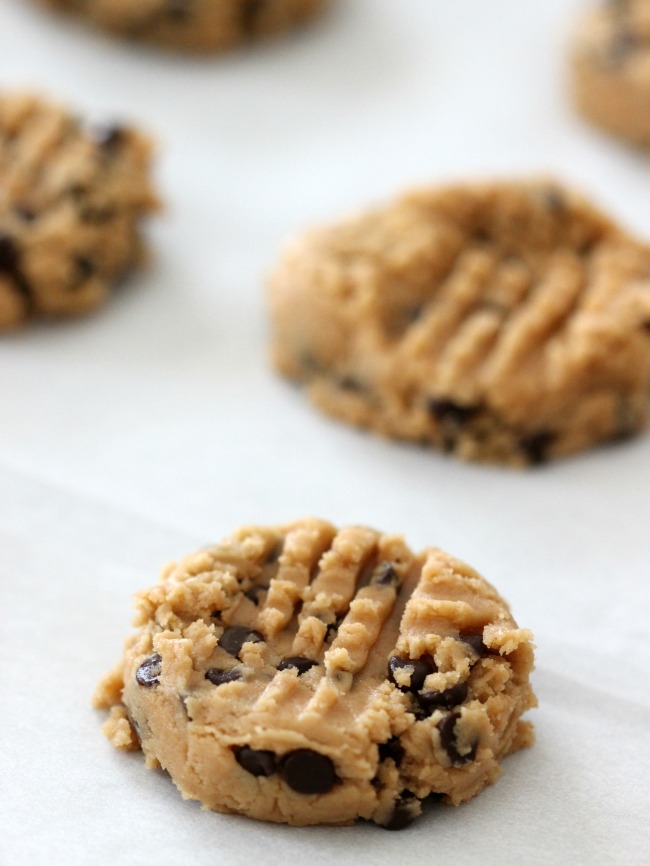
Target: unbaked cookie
[(505, 322), (306, 675), (611, 68), (72, 197), (192, 25)]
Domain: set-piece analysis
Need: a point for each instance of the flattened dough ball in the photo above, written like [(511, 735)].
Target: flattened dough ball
[(72, 199), (192, 25), (309, 675), (504, 322), (610, 68)]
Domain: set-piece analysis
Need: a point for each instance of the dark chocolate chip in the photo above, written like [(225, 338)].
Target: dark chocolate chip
[(85, 267), (536, 447), (624, 43), (27, 214), (385, 575), (275, 553), (392, 749), (445, 700), (253, 593), (421, 670), (234, 638), (349, 383), (449, 412), (332, 629), (148, 674), (216, 614), (405, 811), (250, 9), (258, 762), (476, 643), (9, 254), (308, 772), (177, 10), (219, 676), (449, 743), (108, 137), (299, 663), (553, 200), (96, 215)]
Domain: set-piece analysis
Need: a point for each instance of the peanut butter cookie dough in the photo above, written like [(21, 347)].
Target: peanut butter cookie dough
[(611, 68), (192, 25), (504, 322), (72, 197), (307, 675)]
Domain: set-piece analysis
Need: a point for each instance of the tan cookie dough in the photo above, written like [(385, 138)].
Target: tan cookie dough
[(307, 675), (504, 322), (72, 197), (192, 25), (611, 68)]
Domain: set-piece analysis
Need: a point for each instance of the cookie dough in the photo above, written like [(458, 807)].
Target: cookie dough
[(72, 197), (611, 68), (504, 322), (307, 675), (192, 25)]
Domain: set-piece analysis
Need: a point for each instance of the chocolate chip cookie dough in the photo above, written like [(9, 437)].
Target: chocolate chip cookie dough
[(72, 197), (306, 675), (192, 25), (611, 68), (503, 322)]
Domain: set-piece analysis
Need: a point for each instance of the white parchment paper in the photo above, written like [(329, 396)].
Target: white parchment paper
[(155, 426)]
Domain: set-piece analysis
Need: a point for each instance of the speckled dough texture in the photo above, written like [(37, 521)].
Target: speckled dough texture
[(307, 675), (503, 322), (611, 68), (192, 25), (72, 197)]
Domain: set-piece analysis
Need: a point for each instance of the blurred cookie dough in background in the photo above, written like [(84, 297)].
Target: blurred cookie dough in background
[(72, 198), (192, 25), (504, 322), (611, 68)]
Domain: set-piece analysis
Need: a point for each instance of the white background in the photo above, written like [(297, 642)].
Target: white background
[(155, 426)]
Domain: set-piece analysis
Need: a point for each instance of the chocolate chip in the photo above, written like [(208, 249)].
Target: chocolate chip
[(451, 697), (449, 743), (421, 670), (253, 593), (553, 200), (27, 214), (85, 267), (299, 663), (349, 383), (250, 9), (9, 255), (308, 772), (449, 412), (96, 215), (177, 10), (332, 629), (108, 137), (258, 762), (234, 638), (405, 811), (536, 446), (219, 676), (392, 749), (385, 575), (148, 674), (624, 43), (476, 643)]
